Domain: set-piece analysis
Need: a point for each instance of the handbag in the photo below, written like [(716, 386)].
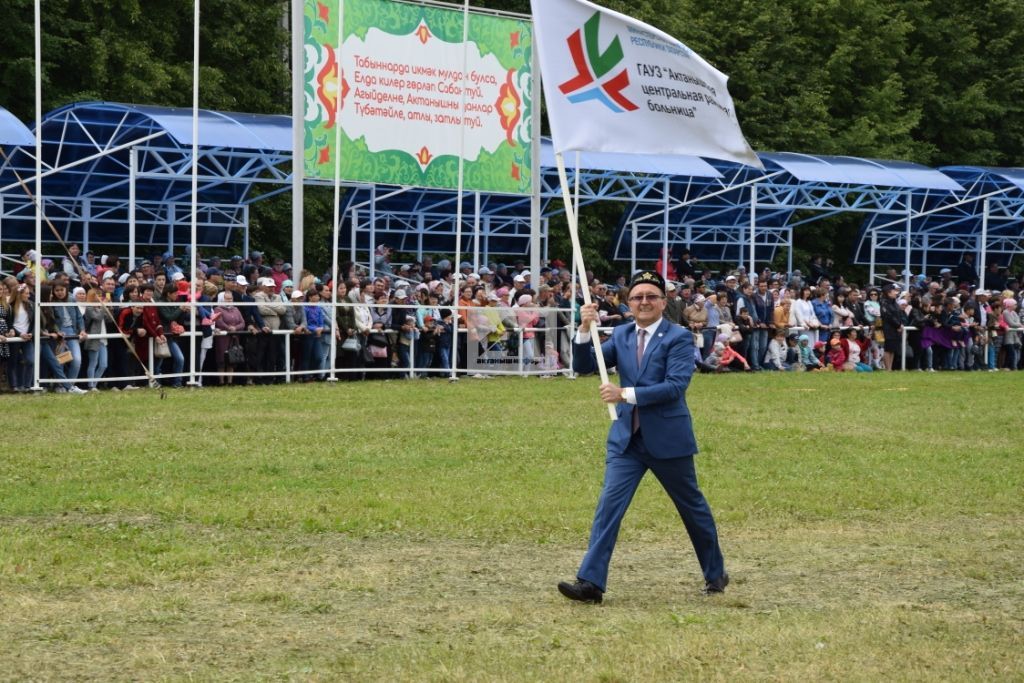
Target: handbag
[(350, 344), (161, 349), (378, 339), (63, 354), (236, 354)]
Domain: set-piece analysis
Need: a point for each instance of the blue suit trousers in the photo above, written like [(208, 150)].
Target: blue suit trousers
[(678, 477)]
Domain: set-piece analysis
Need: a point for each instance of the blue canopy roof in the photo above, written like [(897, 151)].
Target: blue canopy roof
[(91, 198), (853, 171), (711, 217), (222, 129), (708, 201), (992, 177), (944, 226), (13, 132)]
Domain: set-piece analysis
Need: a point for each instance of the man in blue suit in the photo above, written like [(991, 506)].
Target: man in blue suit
[(653, 431)]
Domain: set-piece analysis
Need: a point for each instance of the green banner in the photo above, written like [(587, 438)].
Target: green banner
[(407, 109)]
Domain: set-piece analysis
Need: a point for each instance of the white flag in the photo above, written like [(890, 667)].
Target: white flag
[(614, 84)]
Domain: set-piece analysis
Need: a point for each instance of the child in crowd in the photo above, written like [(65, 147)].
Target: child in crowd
[(808, 359), (777, 352), (714, 359), (834, 355), (731, 358)]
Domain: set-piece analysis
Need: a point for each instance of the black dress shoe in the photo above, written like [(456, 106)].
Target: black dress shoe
[(581, 590), (716, 586)]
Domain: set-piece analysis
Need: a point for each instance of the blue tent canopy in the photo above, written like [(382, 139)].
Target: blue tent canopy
[(88, 199), (854, 172), (223, 129), (712, 217), (13, 132), (704, 205), (945, 226)]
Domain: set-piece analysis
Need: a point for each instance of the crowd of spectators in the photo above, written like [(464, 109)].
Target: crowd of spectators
[(254, 321), (104, 326), (776, 321)]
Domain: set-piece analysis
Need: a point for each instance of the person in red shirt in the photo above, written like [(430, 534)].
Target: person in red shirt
[(665, 268), (731, 359), (140, 323), (835, 356)]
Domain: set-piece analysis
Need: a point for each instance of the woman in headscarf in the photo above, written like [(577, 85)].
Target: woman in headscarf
[(229, 320), (1011, 337), (526, 319)]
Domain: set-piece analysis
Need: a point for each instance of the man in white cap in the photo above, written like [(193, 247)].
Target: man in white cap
[(946, 277), (730, 289), (487, 278), (518, 285), (272, 309), (981, 307), (254, 325), (673, 304)]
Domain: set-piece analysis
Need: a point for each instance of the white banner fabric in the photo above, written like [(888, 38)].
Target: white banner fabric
[(614, 84)]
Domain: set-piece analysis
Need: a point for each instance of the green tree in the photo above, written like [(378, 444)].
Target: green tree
[(933, 81)]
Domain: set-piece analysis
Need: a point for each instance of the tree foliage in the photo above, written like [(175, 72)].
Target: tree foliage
[(932, 81)]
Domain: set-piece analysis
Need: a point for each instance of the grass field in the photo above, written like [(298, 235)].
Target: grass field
[(873, 527)]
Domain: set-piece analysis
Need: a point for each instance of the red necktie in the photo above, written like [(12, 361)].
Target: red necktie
[(640, 334)]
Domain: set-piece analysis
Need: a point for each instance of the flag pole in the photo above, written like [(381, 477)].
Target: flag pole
[(37, 341), (456, 285), (194, 218), (335, 275), (298, 132), (577, 255)]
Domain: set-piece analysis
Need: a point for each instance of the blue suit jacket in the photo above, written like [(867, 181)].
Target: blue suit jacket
[(660, 385)]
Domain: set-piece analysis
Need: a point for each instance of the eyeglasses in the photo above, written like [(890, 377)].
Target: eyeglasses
[(640, 298)]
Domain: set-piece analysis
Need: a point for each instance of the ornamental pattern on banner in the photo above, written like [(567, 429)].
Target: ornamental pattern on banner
[(401, 88)]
